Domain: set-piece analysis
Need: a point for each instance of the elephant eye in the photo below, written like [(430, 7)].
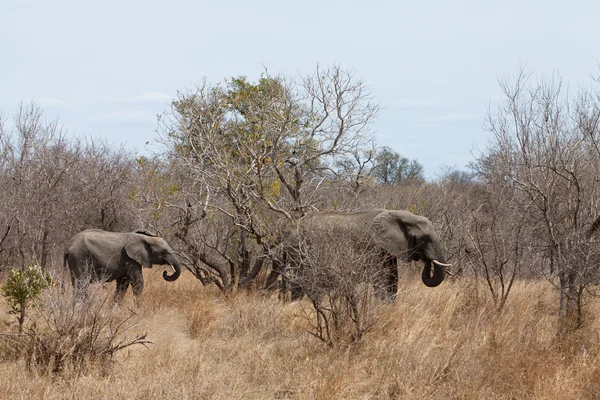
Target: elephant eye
[(423, 240)]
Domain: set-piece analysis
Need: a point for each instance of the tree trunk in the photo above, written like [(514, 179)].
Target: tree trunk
[(569, 314)]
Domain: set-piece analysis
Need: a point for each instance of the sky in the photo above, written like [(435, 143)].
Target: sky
[(107, 68)]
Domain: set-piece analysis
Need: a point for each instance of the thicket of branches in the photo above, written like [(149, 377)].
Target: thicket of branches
[(54, 186), (242, 161)]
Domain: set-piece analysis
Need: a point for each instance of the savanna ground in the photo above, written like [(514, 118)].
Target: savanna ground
[(446, 342)]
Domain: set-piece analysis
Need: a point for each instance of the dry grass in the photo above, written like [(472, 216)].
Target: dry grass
[(440, 343)]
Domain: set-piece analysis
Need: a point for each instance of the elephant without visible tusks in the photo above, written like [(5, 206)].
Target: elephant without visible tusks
[(98, 256), (399, 235)]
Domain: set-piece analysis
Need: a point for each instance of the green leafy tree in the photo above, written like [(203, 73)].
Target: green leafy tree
[(392, 168), (257, 154), (24, 285)]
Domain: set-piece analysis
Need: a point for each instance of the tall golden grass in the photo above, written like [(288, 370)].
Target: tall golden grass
[(441, 343)]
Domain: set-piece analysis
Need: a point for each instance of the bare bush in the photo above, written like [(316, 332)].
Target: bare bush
[(544, 155), (72, 335), (101, 188), (497, 251), (37, 159), (338, 272), (54, 186)]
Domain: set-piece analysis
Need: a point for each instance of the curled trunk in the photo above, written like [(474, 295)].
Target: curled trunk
[(176, 272), (432, 280)]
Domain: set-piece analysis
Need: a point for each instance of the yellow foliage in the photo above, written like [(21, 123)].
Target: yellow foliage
[(275, 186), (413, 209)]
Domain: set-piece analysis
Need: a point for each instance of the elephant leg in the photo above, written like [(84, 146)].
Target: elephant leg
[(289, 278), (283, 284), (80, 282), (296, 290), (275, 272), (137, 281), (391, 266), (289, 285), (122, 285), (388, 284), (76, 282)]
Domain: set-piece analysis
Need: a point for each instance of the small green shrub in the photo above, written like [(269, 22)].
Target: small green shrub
[(24, 285)]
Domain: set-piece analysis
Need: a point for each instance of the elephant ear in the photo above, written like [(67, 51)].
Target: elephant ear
[(136, 250), (392, 234), (411, 223)]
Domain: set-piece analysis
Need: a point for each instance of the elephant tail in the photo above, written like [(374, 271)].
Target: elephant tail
[(65, 260)]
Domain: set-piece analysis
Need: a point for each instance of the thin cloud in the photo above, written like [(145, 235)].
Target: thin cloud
[(460, 117), (425, 125), (412, 104), (149, 97), (49, 101), (127, 116), (447, 118)]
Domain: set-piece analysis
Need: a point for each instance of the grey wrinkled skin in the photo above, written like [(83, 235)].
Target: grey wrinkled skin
[(99, 256), (400, 235)]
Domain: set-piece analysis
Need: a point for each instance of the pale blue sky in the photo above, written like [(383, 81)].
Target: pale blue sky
[(106, 68)]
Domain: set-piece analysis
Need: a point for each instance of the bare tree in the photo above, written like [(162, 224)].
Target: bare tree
[(495, 232), (102, 186), (544, 154), (36, 161), (54, 186)]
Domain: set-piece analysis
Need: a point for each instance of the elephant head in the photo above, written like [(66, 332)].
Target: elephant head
[(411, 237), (148, 250), (399, 234)]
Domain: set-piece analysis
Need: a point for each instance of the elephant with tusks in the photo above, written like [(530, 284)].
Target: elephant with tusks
[(397, 234), (99, 256)]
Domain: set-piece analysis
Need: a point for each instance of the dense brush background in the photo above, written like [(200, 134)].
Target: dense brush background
[(240, 163)]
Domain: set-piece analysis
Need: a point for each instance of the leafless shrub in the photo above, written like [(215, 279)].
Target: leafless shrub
[(54, 186), (338, 272), (36, 159), (545, 157), (101, 188), (497, 250), (72, 335)]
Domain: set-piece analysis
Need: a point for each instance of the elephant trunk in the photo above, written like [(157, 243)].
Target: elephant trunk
[(438, 274), (176, 272)]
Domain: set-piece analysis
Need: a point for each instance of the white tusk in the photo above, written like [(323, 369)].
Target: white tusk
[(436, 262), (172, 267)]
